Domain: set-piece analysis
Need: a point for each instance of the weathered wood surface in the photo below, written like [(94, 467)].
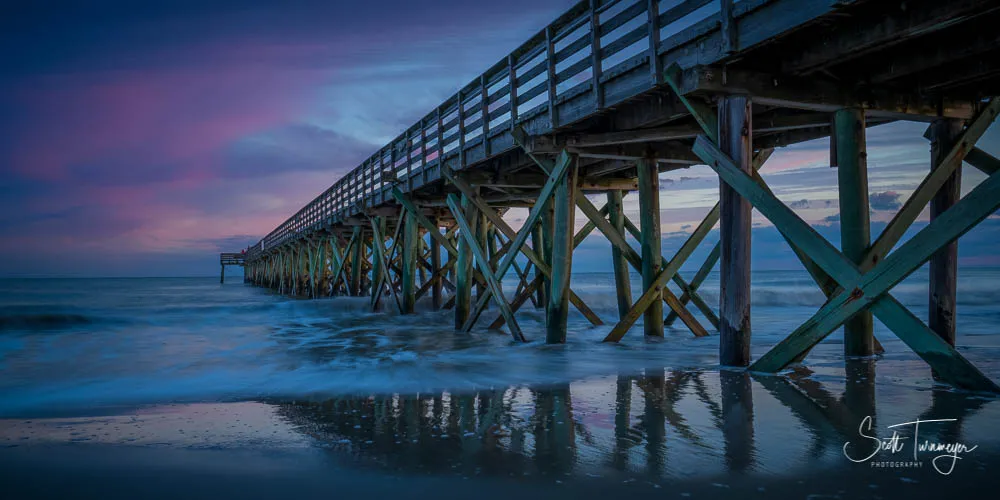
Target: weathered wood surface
[(623, 286), (652, 260), (943, 266), (591, 86), (735, 128), (855, 225), (860, 291), (469, 127)]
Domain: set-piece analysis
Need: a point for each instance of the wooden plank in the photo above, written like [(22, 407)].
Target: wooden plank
[(550, 81), (699, 302), (653, 33), (781, 90), (855, 233), (522, 277), (512, 85), (735, 133), (873, 32), (943, 266), (557, 311), (595, 55), (616, 238), (623, 285), (468, 234)]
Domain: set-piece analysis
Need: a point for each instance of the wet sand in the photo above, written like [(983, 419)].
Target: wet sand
[(660, 434)]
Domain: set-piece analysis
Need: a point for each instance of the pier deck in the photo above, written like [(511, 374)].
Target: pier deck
[(611, 94)]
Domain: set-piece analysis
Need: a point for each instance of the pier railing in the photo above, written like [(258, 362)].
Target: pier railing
[(598, 53)]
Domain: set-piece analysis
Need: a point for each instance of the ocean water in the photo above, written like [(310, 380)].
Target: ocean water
[(160, 388), (72, 344)]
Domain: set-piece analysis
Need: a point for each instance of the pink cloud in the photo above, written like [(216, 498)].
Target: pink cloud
[(177, 116)]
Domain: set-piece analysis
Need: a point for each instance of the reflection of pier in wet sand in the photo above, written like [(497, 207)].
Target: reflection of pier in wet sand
[(659, 434), (655, 428)]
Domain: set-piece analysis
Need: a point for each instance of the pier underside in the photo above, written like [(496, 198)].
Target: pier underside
[(424, 216)]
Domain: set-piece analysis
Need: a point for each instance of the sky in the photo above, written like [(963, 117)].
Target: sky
[(143, 138)]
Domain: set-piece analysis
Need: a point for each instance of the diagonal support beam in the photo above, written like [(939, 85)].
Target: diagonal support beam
[(431, 227), (870, 289), (483, 262), (653, 292), (557, 175), (670, 270), (982, 160), (692, 288), (536, 283), (708, 120), (509, 232), (384, 276), (379, 260), (677, 308), (930, 186), (347, 251)]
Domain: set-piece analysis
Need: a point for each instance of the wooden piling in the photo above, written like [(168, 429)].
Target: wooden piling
[(377, 270), (623, 285), (649, 223), (563, 229), (222, 275), (538, 245), (943, 266), (411, 246), (482, 231), (435, 270), (735, 135), (855, 233), (546, 225), (356, 256), (463, 271)]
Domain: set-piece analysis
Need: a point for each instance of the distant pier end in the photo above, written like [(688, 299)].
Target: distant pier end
[(230, 259)]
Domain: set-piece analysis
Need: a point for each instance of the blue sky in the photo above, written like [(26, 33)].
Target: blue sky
[(142, 138)]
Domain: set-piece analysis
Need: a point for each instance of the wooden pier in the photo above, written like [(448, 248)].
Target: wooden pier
[(613, 93), (230, 259)]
